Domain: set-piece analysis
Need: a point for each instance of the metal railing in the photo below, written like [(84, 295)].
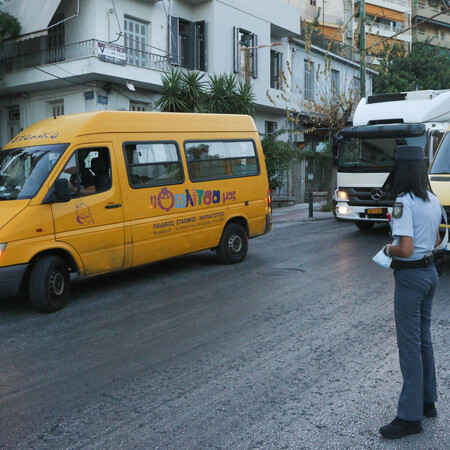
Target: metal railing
[(79, 50), (335, 47), (421, 36)]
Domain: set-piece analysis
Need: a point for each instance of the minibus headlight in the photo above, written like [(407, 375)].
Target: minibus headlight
[(2, 249), (342, 195)]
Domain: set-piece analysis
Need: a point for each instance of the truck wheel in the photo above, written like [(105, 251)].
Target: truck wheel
[(233, 244), (364, 226), (49, 284)]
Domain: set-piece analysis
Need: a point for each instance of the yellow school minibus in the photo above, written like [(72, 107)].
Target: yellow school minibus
[(439, 174), (96, 192)]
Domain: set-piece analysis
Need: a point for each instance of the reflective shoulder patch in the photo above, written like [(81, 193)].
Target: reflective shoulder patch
[(397, 210)]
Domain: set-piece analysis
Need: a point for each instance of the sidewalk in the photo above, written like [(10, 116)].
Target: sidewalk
[(300, 213)]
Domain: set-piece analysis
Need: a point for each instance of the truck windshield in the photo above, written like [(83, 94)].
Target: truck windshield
[(441, 163), (24, 170), (373, 155)]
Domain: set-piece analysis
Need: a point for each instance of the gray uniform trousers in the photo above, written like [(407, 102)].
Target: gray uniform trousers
[(413, 299)]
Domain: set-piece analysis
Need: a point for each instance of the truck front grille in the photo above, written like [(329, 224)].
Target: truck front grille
[(361, 196)]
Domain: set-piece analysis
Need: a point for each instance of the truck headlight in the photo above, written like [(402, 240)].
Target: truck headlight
[(342, 210), (2, 249), (342, 195)]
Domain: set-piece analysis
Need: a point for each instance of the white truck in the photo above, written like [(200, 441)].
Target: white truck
[(364, 153)]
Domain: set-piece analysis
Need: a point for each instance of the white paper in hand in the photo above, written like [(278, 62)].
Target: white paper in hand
[(382, 260)]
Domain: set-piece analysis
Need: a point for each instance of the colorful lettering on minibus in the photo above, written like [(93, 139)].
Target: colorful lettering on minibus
[(166, 200), (31, 137)]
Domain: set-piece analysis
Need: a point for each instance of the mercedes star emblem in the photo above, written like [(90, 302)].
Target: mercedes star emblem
[(376, 194)]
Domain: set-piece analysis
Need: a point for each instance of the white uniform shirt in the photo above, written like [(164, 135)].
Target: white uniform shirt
[(419, 220)]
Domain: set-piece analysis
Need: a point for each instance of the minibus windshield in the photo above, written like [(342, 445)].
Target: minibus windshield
[(24, 170), (373, 155), (441, 163)]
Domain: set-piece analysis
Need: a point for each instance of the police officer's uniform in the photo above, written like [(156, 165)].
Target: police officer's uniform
[(416, 279)]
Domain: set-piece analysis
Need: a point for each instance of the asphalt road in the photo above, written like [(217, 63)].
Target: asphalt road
[(294, 348)]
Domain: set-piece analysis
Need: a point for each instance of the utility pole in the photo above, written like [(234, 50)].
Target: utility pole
[(362, 47)]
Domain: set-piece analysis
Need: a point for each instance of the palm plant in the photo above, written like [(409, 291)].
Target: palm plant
[(172, 97), (245, 98), (193, 89), (216, 95)]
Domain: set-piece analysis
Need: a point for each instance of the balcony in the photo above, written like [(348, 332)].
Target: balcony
[(420, 36), (81, 50), (419, 14)]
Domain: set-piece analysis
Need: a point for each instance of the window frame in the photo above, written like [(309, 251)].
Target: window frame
[(225, 177), (139, 56), (309, 69), (147, 186), (253, 42), (75, 153)]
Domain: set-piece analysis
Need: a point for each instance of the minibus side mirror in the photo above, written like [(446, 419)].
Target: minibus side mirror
[(62, 190)]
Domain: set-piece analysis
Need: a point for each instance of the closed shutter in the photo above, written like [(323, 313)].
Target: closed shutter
[(174, 40), (254, 43), (237, 51)]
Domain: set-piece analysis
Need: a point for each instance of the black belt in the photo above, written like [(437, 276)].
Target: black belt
[(427, 260)]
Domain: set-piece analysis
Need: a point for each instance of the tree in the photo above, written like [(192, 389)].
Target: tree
[(331, 109), (425, 67), (9, 27), (278, 156)]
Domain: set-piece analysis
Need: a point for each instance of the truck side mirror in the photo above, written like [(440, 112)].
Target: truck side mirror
[(62, 190)]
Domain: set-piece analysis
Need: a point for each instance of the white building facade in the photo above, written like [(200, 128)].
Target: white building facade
[(82, 55)]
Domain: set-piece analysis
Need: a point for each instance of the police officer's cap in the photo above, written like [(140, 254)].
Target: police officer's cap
[(409, 153)]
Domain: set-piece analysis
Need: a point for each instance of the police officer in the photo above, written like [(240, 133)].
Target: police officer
[(415, 220)]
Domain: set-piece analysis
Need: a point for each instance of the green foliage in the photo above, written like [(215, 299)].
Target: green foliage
[(9, 27), (172, 98), (186, 91), (425, 67), (278, 159), (245, 98)]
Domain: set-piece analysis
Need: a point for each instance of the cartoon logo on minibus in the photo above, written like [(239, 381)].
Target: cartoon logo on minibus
[(32, 137), (166, 199), (84, 215)]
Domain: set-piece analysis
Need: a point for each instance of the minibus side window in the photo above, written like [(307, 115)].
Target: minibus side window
[(221, 159), (88, 172), (153, 163)]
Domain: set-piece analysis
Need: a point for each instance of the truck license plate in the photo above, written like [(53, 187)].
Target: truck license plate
[(375, 211)]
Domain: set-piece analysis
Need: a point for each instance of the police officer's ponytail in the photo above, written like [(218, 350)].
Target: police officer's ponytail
[(409, 174)]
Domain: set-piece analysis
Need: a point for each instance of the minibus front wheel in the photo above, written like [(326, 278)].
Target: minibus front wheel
[(49, 283), (233, 244)]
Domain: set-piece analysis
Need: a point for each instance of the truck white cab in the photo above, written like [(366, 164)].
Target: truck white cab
[(365, 152)]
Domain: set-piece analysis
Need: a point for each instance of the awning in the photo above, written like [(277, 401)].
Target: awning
[(33, 15), (385, 13), (433, 21)]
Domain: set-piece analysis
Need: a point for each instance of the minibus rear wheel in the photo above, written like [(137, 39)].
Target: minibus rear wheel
[(49, 284), (233, 244)]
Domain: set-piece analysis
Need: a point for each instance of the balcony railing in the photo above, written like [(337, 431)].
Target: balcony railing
[(79, 50), (336, 47), (420, 36)]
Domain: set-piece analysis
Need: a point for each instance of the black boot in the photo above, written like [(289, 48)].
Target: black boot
[(429, 410), (399, 428)]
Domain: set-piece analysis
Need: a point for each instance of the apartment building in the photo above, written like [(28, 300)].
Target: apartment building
[(84, 55), (432, 20)]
